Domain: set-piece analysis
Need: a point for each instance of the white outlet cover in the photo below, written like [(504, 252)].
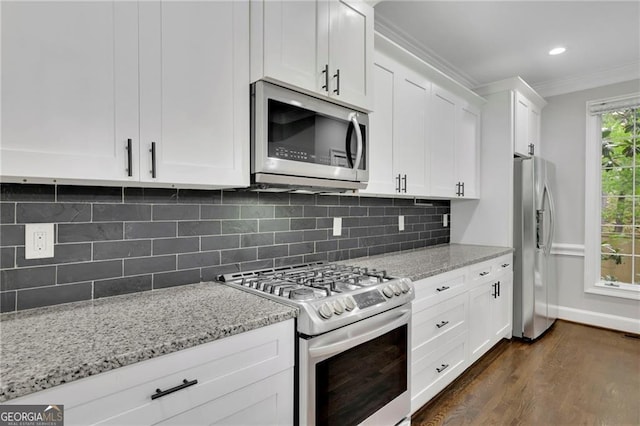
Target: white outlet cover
[(38, 240), (337, 226), (401, 223)]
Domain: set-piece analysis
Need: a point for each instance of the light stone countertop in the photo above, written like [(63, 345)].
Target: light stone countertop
[(44, 347), (429, 261)]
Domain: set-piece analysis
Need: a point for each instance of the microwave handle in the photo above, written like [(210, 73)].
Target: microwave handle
[(356, 126)]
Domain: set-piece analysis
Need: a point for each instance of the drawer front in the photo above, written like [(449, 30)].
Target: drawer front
[(487, 270), (434, 326), (504, 264), (219, 367), (433, 373), (432, 290)]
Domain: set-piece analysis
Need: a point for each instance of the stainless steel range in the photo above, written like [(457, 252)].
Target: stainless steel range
[(353, 340)]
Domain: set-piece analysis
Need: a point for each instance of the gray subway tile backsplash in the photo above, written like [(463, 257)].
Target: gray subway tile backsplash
[(114, 240)]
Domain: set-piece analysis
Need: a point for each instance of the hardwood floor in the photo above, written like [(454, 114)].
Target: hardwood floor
[(573, 375)]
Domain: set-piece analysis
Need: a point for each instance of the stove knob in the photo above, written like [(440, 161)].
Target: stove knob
[(338, 307), (404, 287), (396, 289), (325, 311), (349, 303), (388, 292)]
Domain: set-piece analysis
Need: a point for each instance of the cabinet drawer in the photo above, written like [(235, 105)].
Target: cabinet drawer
[(220, 367), (434, 326), (486, 270), (435, 289), (431, 374)]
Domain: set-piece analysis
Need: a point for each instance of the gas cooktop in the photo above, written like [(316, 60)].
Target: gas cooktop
[(328, 295)]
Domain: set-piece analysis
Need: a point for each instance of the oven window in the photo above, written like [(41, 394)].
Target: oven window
[(355, 384), (297, 134)]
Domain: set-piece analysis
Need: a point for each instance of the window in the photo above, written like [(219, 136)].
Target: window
[(612, 197)]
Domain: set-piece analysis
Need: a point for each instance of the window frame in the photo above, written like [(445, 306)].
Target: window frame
[(593, 195)]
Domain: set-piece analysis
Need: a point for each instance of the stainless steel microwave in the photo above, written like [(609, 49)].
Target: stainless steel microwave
[(302, 142)]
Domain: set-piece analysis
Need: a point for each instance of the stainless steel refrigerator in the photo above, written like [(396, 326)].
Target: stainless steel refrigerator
[(535, 287)]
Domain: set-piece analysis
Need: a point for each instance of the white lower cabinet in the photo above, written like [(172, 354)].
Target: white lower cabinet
[(457, 317), (245, 379)]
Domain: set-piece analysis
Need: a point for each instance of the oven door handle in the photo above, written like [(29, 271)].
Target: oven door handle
[(384, 323)]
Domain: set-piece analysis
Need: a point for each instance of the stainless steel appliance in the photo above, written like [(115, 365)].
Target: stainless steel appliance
[(354, 337), (535, 288), (298, 141)]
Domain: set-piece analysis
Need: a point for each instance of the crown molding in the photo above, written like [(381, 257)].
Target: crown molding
[(600, 78), (409, 43)]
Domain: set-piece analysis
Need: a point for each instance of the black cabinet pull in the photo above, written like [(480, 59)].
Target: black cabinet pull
[(398, 179), (404, 188), (185, 384), (442, 324), (325, 71), (443, 288), (532, 148), (482, 274), (495, 290), (129, 158), (498, 288), (337, 76), (442, 368), (504, 265), (153, 159), (462, 189), (458, 189)]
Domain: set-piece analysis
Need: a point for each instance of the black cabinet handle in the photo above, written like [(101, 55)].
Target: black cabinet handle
[(532, 148), (442, 324), (495, 290), (153, 159), (462, 189), (129, 158), (458, 189), (185, 384), (442, 368), (404, 188), (398, 188), (482, 274), (504, 265), (443, 288), (325, 71), (337, 76), (498, 288)]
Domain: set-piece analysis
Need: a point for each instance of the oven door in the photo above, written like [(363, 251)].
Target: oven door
[(294, 134), (358, 374)]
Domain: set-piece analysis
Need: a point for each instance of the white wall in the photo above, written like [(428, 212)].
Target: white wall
[(563, 142)]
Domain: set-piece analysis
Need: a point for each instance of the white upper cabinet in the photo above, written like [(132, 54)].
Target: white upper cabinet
[(454, 146), (442, 144), (90, 87), (69, 90), (526, 126), (398, 130), (194, 92), (323, 47)]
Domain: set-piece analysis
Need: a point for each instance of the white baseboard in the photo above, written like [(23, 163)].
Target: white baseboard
[(614, 322)]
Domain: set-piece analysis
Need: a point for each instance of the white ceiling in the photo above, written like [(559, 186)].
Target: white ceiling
[(479, 42)]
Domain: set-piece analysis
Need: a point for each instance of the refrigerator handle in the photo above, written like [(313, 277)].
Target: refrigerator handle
[(552, 219)]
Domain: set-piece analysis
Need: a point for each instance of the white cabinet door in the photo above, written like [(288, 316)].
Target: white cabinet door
[(350, 51), (291, 35), (534, 128), (481, 302), (69, 90), (194, 79), (380, 147), (521, 139), (467, 149), (442, 144), (410, 121), (503, 308)]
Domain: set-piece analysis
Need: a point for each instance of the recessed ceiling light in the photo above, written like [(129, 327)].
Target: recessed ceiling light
[(557, 50)]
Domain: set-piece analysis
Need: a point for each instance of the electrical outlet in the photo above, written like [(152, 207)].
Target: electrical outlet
[(337, 226), (38, 240), (445, 220), (401, 223)]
